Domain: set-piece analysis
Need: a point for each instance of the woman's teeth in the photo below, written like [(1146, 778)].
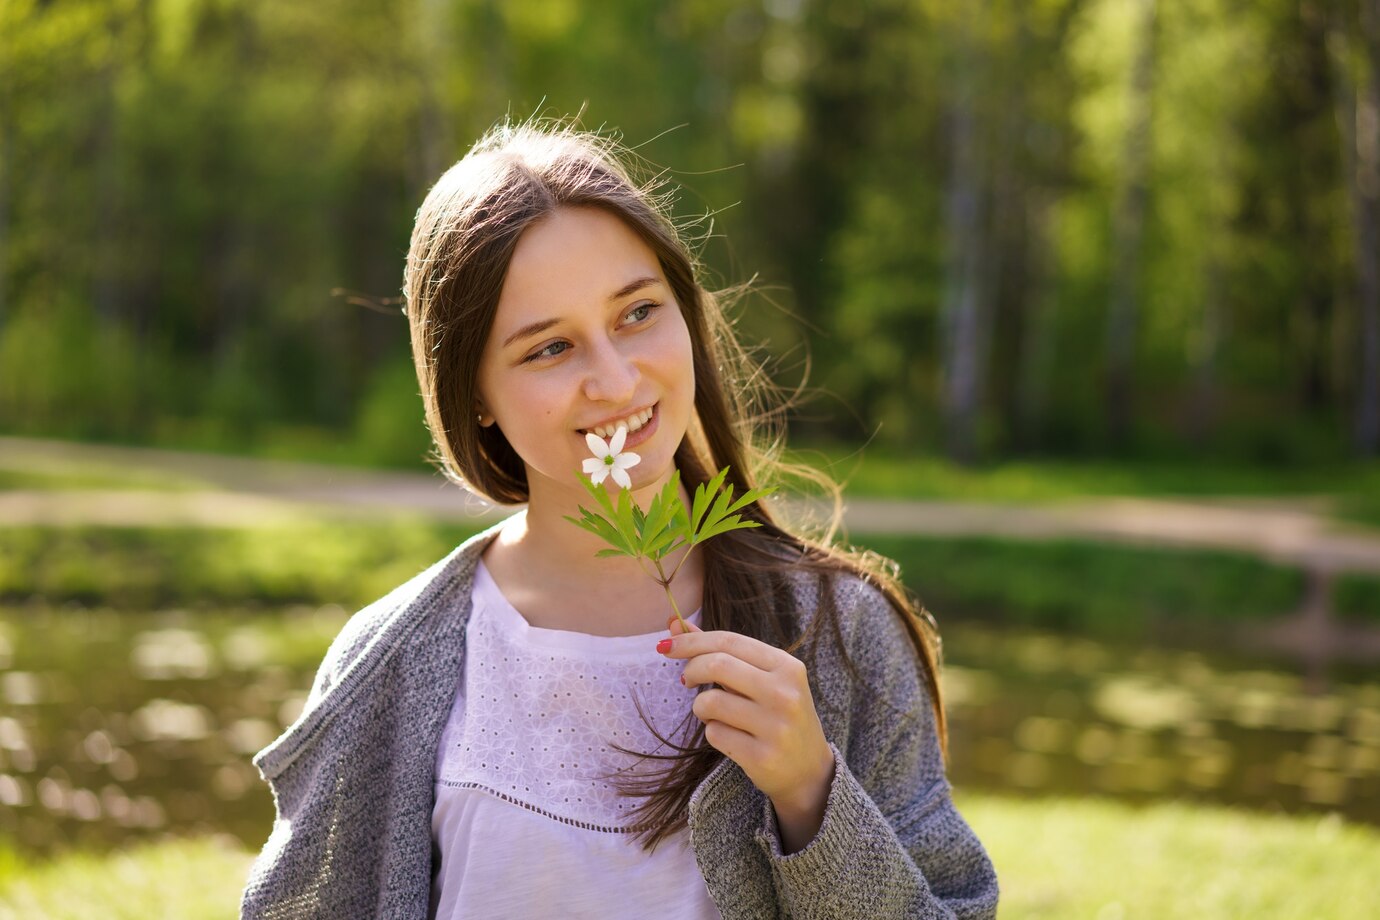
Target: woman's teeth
[(632, 423)]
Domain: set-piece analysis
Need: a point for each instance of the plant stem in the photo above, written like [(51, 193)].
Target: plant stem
[(665, 582), (685, 627), (690, 548)]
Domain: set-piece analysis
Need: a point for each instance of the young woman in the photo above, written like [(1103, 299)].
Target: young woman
[(519, 731)]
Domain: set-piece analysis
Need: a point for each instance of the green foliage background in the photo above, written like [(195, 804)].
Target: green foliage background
[(204, 207)]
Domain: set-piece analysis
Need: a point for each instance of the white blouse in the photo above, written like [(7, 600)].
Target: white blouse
[(527, 822)]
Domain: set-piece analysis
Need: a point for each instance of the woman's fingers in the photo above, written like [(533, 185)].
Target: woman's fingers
[(674, 625), (739, 712), (754, 652), (734, 743), (728, 672)]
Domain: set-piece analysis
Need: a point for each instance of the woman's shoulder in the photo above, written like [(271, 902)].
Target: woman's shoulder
[(871, 629), (383, 619), (370, 639)]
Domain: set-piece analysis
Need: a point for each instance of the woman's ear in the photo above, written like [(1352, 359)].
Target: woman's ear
[(482, 416)]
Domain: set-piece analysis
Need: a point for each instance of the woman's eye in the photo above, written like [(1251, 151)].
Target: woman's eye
[(550, 351), (640, 312)]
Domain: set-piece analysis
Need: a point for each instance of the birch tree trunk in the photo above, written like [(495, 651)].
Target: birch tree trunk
[(1366, 195), (1128, 229), (1357, 106), (434, 148), (6, 170), (961, 314)]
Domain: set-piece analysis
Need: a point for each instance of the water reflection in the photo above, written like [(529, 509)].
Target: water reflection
[(1049, 714), (119, 725)]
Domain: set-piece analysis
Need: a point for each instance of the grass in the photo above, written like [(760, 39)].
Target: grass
[(140, 568), (188, 879), (1361, 509), (1093, 858), (876, 472), (1357, 598), (1089, 588), (1055, 858), (78, 479)]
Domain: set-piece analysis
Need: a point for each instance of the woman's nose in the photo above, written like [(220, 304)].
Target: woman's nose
[(612, 375)]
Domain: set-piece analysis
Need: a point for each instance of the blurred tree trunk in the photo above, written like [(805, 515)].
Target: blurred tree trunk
[(1202, 412), (1044, 137), (6, 170), (961, 318), (435, 137), (1006, 269), (1307, 83), (807, 202), (1128, 232), (1035, 358), (1357, 102), (104, 292), (1367, 193)]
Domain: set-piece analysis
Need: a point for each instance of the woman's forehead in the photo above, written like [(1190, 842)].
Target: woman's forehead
[(577, 258)]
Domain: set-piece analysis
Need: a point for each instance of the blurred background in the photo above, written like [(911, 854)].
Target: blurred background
[(1086, 294)]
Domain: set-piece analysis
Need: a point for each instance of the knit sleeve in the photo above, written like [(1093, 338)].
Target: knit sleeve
[(892, 843)]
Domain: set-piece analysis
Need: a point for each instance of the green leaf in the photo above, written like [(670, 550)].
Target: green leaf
[(732, 523), (600, 495), (750, 496), (717, 519), (662, 543), (662, 510), (704, 492), (623, 518), (717, 512), (603, 529)]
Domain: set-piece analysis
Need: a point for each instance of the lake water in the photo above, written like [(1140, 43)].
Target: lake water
[(116, 725)]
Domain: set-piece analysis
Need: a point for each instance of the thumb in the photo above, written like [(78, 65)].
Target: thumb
[(676, 629)]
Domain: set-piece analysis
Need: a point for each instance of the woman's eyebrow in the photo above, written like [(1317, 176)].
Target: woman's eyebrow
[(530, 329), (633, 287)]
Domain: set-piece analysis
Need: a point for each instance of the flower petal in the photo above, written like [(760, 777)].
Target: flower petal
[(616, 442), (627, 460), (597, 445), (599, 475), (621, 477), (594, 465)]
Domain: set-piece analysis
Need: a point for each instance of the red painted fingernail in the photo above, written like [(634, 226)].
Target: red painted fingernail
[(663, 646), (682, 681)]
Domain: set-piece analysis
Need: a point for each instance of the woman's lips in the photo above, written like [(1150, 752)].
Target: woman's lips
[(642, 434), (646, 431)]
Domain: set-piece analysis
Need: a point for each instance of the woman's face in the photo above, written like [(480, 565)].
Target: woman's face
[(587, 336)]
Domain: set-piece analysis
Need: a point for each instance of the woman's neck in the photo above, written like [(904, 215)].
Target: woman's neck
[(548, 568)]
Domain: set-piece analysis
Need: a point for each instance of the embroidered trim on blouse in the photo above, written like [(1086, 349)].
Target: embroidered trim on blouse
[(584, 825)]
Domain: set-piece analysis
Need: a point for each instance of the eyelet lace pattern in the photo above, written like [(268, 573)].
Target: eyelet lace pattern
[(539, 710)]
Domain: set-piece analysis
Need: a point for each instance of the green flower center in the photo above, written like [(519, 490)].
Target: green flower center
[(608, 461)]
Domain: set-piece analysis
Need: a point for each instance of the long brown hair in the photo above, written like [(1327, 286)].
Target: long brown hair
[(462, 243)]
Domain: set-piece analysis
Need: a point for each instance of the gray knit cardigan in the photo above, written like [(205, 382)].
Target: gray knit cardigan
[(353, 779)]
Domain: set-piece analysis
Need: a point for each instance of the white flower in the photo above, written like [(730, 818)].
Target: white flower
[(610, 458)]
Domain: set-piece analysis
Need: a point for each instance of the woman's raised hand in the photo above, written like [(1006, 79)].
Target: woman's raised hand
[(760, 715)]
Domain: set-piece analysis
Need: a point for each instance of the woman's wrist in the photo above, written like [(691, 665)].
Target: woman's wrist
[(800, 815)]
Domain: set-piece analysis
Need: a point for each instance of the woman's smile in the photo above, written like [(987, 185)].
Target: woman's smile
[(641, 425)]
